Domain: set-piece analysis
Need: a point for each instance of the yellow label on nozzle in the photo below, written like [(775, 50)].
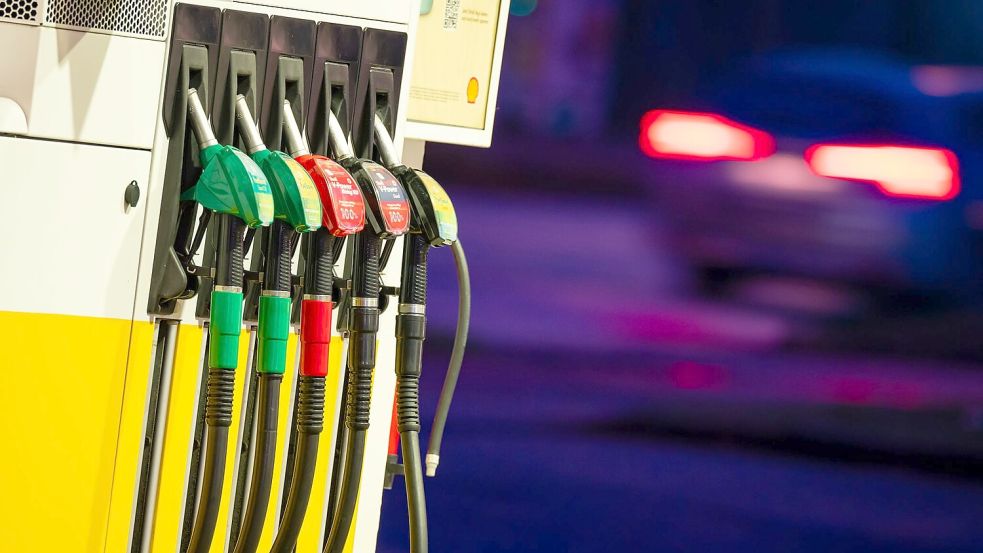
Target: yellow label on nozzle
[(442, 205), (308, 193)]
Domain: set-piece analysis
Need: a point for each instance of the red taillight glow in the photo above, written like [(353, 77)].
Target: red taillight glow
[(701, 136), (900, 171)]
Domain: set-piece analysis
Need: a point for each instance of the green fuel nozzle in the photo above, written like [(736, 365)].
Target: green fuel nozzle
[(230, 182), (295, 197)]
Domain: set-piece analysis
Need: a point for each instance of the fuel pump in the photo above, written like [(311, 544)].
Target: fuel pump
[(387, 216), (434, 224), (297, 210), (344, 215), (234, 188)]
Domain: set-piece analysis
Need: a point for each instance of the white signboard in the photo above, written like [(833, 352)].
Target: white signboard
[(456, 66)]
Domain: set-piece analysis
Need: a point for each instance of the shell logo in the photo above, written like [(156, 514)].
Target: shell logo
[(473, 90)]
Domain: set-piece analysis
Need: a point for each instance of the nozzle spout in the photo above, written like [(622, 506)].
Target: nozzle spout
[(385, 144), (199, 121), (336, 137), (247, 126), (295, 141)]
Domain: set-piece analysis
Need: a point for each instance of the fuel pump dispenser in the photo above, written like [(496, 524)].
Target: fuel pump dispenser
[(170, 121), (234, 188), (433, 224), (297, 210), (343, 215), (387, 216)]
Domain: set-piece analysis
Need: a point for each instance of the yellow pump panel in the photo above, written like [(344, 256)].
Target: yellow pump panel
[(61, 394)]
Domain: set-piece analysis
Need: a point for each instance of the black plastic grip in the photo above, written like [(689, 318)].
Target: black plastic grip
[(279, 254), (310, 405), (414, 286), (228, 266), (365, 280), (218, 397), (320, 273)]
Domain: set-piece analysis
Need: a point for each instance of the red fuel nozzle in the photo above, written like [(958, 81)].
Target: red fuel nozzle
[(343, 208), (341, 199)]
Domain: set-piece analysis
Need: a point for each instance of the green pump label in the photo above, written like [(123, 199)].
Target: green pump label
[(442, 206), (261, 187)]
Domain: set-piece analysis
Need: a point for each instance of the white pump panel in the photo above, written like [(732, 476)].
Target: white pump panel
[(79, 87)]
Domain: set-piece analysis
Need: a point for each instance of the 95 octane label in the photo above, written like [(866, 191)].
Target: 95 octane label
[(392, 199)]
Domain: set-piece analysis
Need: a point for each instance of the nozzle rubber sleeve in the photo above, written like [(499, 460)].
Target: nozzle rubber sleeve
[(272, 334), (315, 337), (224, 327)]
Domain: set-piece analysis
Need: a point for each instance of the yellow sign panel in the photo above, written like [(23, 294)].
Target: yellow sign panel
[(452, 72)]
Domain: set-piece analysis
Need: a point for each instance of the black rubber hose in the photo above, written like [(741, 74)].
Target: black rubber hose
[(264, 453), (410, 334), (361, 364), (348, 496), (310, 423), (309, 411), (319, 276), (218, 418), (416, 503), (457, 359)]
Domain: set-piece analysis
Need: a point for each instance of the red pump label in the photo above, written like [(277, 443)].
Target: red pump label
[(392, 200), (343, 206)]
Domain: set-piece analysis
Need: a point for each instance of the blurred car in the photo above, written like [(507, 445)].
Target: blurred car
[(831, 165)]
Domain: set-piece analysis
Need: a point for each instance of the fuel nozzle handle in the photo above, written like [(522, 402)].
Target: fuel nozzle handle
[(247, 126), (199, 121), (337, 139), (296, 145), (384, 142)]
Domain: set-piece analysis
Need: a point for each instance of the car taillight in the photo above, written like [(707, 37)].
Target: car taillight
[(900, 171), (701, 137)]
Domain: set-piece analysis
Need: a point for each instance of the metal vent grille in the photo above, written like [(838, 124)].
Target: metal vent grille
[(138, 17), (19, 10)]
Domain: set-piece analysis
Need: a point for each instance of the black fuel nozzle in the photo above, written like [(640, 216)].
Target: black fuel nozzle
[(433, 212)]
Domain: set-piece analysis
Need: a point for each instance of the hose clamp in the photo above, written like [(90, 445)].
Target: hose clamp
[(233, 289), (317, 297), (412, 309), (276, 294), (365, 302)]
